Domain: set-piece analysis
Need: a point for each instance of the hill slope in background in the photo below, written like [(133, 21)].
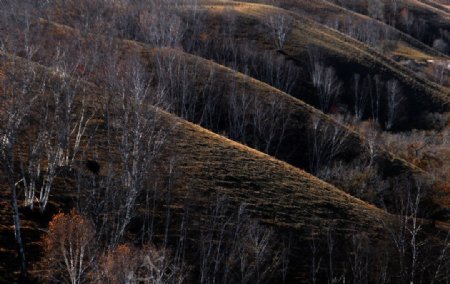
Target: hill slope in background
[(423, 19), (346, 52)]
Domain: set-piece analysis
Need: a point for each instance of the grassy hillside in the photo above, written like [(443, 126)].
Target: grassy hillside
[(275, 193), (187, 139), (329, 13), (294, 148)]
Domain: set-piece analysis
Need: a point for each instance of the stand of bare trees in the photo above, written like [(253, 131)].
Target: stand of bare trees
[(394, 103), (237, 248), (16, 107), (325, 81), (325, 144), (139, 135)]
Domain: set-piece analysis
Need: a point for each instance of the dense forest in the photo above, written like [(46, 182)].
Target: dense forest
[(220, 141)]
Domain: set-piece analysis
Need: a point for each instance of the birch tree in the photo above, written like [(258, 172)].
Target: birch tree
[(326, 142), (17, 102), (360, 96), (394, 103), (69, 248), (326, 82), (134, 124), (279, 26)]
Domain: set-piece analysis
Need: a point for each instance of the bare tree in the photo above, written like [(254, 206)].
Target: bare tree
[(134, 126), (442, 261), (272, 69), (371, 135), (236, 248), (316, 259), (140, 141), (360, 96), (57, 140), (376, 9), (212, 252), (239, 114), (270, 120), (331, 243), (375, 98), (325, 81), (280, 26), (159, 26), (406, 231), (17, 102), (394, 103), (359, 262), (326, 142)]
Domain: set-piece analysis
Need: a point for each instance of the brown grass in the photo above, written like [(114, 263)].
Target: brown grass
[(409, 52), (275, 192), (301, 113)]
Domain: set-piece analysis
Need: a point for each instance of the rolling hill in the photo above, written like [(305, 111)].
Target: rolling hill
[(276, 193), (294, 148), (224, 141)]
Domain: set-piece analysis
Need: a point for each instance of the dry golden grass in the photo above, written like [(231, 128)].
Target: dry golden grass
[(409, 52)]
